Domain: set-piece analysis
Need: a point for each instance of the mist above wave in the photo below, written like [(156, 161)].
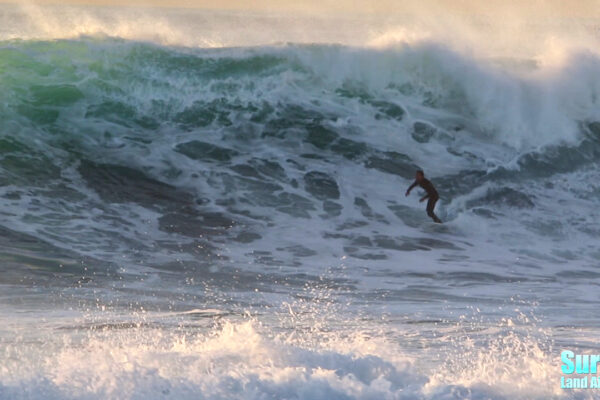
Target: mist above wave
[(490, 30)]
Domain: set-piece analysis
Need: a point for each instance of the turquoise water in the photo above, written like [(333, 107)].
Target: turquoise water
[(180, 220)]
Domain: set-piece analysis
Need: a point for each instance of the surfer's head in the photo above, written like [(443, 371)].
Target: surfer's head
[(419, 175)]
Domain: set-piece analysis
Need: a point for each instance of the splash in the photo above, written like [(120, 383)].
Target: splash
[(246, 360)]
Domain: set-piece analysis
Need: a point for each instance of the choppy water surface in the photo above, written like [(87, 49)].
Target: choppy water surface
[(180, 221)]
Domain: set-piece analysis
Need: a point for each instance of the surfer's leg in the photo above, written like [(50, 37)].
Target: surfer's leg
[(430, 207)]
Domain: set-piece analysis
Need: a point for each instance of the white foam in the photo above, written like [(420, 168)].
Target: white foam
[(245, 360)]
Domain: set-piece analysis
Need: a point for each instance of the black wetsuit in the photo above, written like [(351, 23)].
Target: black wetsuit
[(432, 195)]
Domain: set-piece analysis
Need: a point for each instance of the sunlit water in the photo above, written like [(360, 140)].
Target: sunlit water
[(222, 215)]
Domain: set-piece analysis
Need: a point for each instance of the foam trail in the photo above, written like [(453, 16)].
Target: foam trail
[(211, 203)]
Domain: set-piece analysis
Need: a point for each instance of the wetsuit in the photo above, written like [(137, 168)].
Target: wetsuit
[(432, 195)]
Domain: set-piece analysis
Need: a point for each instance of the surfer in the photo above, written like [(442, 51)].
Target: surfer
[(432, 194)]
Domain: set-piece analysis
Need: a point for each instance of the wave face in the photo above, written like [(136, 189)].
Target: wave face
[(233, 220)]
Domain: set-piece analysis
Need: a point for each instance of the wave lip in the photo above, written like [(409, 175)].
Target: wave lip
[(255, 174), (213, 145)]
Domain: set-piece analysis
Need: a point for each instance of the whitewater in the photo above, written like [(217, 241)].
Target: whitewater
[(210, 205)]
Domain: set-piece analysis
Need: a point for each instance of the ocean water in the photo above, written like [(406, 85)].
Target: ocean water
[(210, 205)]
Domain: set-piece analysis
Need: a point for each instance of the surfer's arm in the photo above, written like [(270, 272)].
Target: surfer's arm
[(411, 187), (424, 197)]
